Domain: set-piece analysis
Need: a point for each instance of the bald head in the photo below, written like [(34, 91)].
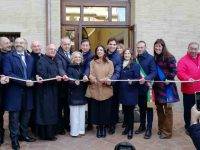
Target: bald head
[(51, 50), (20, 45), (36, 47), (5, 44), (65, 43)]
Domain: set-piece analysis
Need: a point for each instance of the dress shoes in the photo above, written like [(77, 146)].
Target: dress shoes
[(15, 145), (27, 139)]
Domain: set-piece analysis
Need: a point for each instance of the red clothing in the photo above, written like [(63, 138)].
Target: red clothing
[(187, 68)]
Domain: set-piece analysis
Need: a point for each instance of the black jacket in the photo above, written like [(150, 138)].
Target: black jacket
[(76, 93), (47, 93)]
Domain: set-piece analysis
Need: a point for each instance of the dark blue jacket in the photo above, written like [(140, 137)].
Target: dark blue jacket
[(87, 58), (194, 132), (1, 71), (35, 57), (128, 94), (115, 57), (76, 93), (149, 66), (63, 61), (16, 89)]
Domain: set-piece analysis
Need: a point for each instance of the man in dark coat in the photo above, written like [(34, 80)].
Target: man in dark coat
[(147, 63), (5, 47), (36, 55), (115, 57), (63, 60), (18, 94), (88, 55), (46, 112)]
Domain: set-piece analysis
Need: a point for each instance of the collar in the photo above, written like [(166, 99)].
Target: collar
[(143, 55), (21, 54)]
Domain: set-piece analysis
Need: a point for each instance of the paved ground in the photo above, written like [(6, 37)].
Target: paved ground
[(179, 141)]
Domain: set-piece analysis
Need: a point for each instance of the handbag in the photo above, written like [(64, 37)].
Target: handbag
[(170, 89)]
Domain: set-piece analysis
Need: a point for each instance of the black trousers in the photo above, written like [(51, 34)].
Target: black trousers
[(89, 111), (188, 102), (129, 115), (63, 114), (114, 110), (18, 123), (145, 112)]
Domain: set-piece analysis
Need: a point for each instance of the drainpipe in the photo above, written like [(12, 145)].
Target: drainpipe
[(48, 21)]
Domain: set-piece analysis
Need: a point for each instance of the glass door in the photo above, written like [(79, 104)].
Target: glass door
[(73, 33)]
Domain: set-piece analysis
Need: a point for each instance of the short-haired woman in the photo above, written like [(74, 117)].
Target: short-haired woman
[(76, 95)]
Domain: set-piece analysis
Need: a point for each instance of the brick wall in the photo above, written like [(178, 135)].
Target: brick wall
[(28, 17), (176, 21)]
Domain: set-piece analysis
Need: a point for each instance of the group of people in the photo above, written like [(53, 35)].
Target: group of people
[(102, 79)]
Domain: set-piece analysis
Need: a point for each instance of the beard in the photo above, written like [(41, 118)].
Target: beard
[(19, 48)]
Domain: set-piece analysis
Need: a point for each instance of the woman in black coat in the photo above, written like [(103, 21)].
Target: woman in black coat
[(46, 98), (128, 94), (76, 95)]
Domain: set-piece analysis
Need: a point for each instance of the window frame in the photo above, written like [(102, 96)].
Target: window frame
[(95, 3)]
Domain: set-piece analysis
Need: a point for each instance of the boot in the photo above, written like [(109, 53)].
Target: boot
[(130, 134), (98, 132), (148, 134), (103, 132)]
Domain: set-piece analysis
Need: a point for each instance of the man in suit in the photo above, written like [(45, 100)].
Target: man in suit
[(63, 61), (18, 94), (88, 55), (147, 63), (5, 47)]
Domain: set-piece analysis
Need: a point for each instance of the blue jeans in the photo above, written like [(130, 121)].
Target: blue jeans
[(18, 121), (145, 112)]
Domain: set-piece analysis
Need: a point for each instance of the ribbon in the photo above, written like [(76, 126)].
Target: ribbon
[(124, 80)]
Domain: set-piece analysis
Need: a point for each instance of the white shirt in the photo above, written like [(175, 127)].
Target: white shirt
[(125, 63)]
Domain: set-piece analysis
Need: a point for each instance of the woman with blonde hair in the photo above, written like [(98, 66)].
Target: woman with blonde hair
[(76, 95)]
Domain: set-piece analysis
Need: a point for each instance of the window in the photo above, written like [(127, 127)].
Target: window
[(119, 14), (72, 13), (95, 14), (10, 35)]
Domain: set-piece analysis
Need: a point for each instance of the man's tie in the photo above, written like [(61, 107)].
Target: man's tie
[(23, 65)]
